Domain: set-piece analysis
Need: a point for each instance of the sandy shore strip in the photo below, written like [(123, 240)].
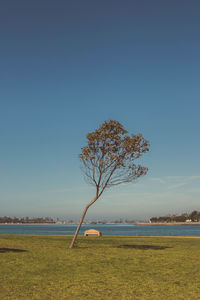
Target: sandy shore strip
[(167, 236)]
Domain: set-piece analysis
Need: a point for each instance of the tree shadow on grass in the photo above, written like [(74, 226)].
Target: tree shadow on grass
[(144, 247), (3, 250)]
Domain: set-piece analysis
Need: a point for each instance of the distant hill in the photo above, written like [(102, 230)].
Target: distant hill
[(25, 220), (194, 216)]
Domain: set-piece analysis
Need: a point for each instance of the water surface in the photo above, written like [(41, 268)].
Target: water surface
[(106, 229)]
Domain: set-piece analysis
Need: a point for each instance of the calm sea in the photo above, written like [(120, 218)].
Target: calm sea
[(106, 229)]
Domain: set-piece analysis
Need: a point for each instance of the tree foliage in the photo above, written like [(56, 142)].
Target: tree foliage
[(108, 159)]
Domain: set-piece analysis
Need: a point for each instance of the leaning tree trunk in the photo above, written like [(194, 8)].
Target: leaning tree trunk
[(81, 221)]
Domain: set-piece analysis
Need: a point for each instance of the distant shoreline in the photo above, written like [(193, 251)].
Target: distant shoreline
[(67, 224), (172, 223), (139, 223), (28, 224)]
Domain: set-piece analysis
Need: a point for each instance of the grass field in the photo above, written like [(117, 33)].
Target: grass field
[(43, 267)]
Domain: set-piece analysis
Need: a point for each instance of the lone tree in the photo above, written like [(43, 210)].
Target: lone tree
[(108, 159)]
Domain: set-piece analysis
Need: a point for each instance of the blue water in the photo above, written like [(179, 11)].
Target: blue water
[(106, 229)]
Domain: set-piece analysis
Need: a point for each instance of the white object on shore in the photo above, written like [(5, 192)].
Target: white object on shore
[(92, 232)]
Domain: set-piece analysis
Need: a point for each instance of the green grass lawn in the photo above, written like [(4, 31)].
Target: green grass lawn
[(99, 268)]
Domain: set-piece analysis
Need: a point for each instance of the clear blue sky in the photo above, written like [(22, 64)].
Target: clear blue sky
[(65, 67)]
